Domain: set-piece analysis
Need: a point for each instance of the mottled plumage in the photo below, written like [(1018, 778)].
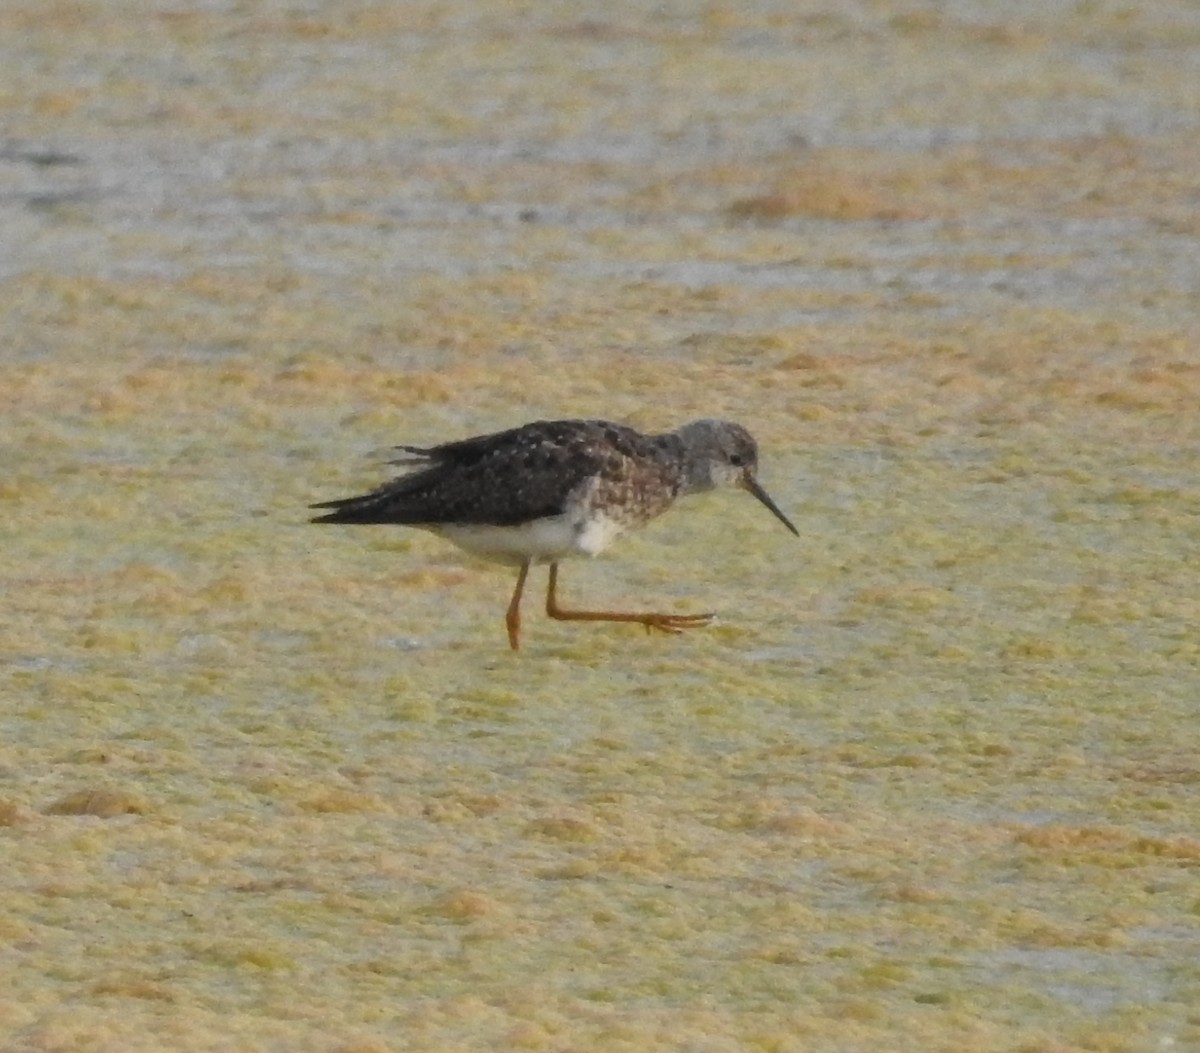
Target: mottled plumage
[(553, 489)]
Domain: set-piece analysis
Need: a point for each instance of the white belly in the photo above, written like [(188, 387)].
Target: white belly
[(541, 541)]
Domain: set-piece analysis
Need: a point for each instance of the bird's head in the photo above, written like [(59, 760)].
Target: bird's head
[(720, 453)]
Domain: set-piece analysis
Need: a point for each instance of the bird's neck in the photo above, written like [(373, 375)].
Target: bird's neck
[(695, 476)]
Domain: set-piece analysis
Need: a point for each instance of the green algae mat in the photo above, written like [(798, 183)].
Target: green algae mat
[(930, 782)]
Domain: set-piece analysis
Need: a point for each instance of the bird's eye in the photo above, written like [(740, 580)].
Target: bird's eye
[(737, 460)]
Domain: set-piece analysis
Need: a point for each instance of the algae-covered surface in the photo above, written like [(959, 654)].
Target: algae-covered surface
[(931, 782)]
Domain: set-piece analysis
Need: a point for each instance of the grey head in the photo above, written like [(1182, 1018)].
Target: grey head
[(720, 453)]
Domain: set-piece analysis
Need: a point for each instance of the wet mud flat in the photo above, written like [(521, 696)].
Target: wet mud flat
[(929, 783)]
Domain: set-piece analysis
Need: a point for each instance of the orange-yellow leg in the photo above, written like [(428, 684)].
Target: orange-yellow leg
[(667, 623), (512, 620)]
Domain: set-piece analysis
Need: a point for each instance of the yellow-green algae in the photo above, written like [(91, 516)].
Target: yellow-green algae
[(930, 783)]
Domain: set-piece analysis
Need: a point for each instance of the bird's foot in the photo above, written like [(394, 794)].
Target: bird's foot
[(674, 623)]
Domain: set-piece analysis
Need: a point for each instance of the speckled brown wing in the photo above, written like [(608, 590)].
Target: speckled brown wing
[(503, 479)]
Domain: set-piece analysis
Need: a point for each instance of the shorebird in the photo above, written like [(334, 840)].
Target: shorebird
[(558, 488)]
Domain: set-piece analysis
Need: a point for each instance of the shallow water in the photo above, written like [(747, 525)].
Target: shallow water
[(929, 783)]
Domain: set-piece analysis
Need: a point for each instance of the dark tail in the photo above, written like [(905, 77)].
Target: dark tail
[(370, 508), (394, 502)]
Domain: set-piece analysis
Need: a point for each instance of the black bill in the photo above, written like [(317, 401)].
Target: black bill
[(752, 484)]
